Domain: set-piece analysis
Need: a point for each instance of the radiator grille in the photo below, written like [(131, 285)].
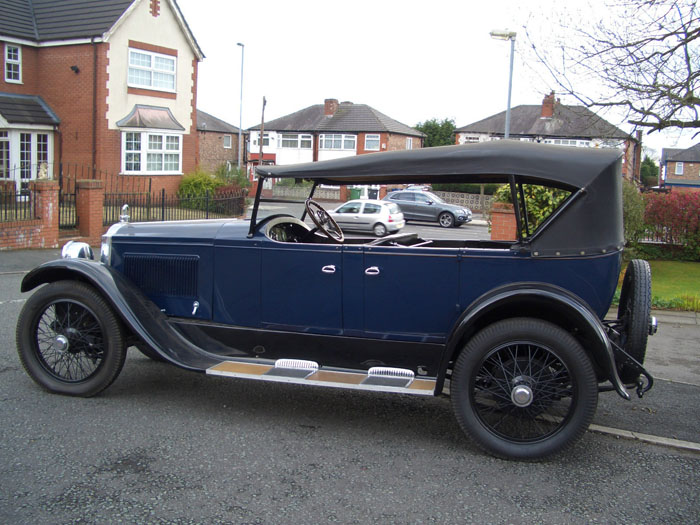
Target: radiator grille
[(174, 275)]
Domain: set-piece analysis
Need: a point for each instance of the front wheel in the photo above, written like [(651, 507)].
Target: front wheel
[(523, 389), (69, 340), (446, 220)]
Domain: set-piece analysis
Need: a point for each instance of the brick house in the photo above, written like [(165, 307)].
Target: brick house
[(218, 142), (100, 85), (680, 169), (555, 123), (329, 131)]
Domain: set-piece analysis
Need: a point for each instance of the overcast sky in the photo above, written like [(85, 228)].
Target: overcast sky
[(411, 60)]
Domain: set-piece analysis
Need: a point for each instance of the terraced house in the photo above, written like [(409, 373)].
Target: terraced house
[(106, 86), (329, 131)]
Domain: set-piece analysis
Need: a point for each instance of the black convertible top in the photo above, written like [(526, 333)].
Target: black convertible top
[(588, 223), (479, 162)]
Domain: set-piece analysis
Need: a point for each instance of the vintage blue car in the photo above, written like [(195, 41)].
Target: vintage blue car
[(513, 331)]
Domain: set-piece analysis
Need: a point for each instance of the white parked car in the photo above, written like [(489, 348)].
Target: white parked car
[(378, 217)]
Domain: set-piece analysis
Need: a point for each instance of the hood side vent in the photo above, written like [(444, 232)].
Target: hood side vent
[(173, 275)]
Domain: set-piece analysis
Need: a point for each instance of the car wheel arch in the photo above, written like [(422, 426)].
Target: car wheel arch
[(538, 301)]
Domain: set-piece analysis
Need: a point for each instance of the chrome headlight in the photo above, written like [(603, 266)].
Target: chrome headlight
[(77, 250), (106, 247)]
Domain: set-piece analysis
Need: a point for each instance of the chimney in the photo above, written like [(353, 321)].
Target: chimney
[(548, 105), (330, 106)]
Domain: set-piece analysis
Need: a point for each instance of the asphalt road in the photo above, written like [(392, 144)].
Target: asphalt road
[(163, 445)]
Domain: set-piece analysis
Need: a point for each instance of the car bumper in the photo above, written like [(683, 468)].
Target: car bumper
[(395, 226), (463, 219)]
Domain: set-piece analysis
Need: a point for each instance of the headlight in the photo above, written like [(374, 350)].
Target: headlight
[(77, 250)]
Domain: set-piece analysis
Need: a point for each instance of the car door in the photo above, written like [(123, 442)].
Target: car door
[(301, 287), (348, 215), (407, 202), (410, 292), (425, 208), (370, 215)]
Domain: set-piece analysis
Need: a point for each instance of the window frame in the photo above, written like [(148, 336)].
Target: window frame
[(373, 137), (323, 139), (229, 139), (13, 62), (147, 154), (679, 169), (151, 69), (409, 143)]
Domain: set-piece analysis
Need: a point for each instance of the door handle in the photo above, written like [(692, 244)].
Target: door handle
[(328, 269), (372, 270)]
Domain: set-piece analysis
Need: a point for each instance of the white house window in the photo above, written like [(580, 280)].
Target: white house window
[(346, 142), (289, 141), (409, 142), (151, 70), (151, 152), (13, 64), (305, 141), (266, 139), (679, 168), (4, 155), (227, 141), (372, 142)]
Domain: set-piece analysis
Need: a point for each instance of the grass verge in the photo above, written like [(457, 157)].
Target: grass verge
[(675, 285)]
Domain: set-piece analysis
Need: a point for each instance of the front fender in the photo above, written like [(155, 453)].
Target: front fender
[(136, 311), (544, 301)]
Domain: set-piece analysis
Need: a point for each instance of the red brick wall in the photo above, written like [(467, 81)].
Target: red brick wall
[(41, 232), (212, 153), (398, 142), (88, 208), (691, 175), (503, 225)]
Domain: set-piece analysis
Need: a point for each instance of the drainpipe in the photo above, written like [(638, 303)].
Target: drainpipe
[(94, 103)]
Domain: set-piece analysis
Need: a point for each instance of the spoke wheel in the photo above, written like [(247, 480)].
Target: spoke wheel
[(446, 220), (69, 340), (635, 313), (524, 389)]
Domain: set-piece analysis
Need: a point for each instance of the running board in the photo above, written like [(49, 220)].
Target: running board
[(301, 372)]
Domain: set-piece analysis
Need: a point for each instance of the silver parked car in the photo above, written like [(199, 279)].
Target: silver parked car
[(426, 206), (378, 217)]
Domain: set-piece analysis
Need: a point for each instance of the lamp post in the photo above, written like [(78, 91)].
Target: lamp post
[(240, 112), (507, 35)]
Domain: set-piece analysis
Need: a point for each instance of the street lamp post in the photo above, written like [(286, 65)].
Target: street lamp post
[(240, 112), (507, 35)]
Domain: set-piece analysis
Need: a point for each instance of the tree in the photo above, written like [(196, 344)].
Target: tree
[(439, 133), (643, 58), (649, 172)]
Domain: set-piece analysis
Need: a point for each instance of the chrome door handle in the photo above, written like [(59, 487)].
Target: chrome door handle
[(328, 269), (372, 270)]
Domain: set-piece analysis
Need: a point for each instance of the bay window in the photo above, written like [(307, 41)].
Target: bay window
[(151, 153)]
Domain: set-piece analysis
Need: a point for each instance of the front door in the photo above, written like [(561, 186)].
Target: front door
[(301, 287)]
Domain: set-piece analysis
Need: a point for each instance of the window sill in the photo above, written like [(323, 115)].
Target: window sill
[(151, 92)]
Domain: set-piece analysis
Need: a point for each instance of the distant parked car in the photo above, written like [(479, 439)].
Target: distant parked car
[(418, 187), (378, 217), (426, 206)]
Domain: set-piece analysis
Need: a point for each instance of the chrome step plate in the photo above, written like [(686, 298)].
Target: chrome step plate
[(301, 372)]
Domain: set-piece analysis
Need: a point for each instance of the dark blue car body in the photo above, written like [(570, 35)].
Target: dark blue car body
[(273, 299)]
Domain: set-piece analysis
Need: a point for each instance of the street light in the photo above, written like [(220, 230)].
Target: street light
[(507, 35), (240, 113)]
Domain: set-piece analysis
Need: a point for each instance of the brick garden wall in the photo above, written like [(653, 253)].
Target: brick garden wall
[(42, 231)]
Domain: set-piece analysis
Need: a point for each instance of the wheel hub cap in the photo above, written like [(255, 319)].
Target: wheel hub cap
[(61, 342), (521, 395)]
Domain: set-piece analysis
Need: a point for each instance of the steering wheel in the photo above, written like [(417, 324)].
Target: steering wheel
[(323, 221)]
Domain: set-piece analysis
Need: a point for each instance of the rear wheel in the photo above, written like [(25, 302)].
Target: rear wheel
[(634, 312), (446, 220), (69, 340), (523, 389), (379, 230)]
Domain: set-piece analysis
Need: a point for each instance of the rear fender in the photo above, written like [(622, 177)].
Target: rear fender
[(542, 301), (138, 313)]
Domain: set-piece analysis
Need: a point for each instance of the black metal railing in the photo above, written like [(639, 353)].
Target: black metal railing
[(16, 206), (144, 207)]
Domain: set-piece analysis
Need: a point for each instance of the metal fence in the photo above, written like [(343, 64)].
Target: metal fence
[(144, 207), (16, 206)]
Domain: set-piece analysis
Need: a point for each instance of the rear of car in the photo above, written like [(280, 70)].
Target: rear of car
[(378, 217)]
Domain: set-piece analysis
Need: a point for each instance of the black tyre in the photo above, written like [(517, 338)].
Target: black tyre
[(635, 313), (69, 340), (523, 389), (446, 219), (379, 230)]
